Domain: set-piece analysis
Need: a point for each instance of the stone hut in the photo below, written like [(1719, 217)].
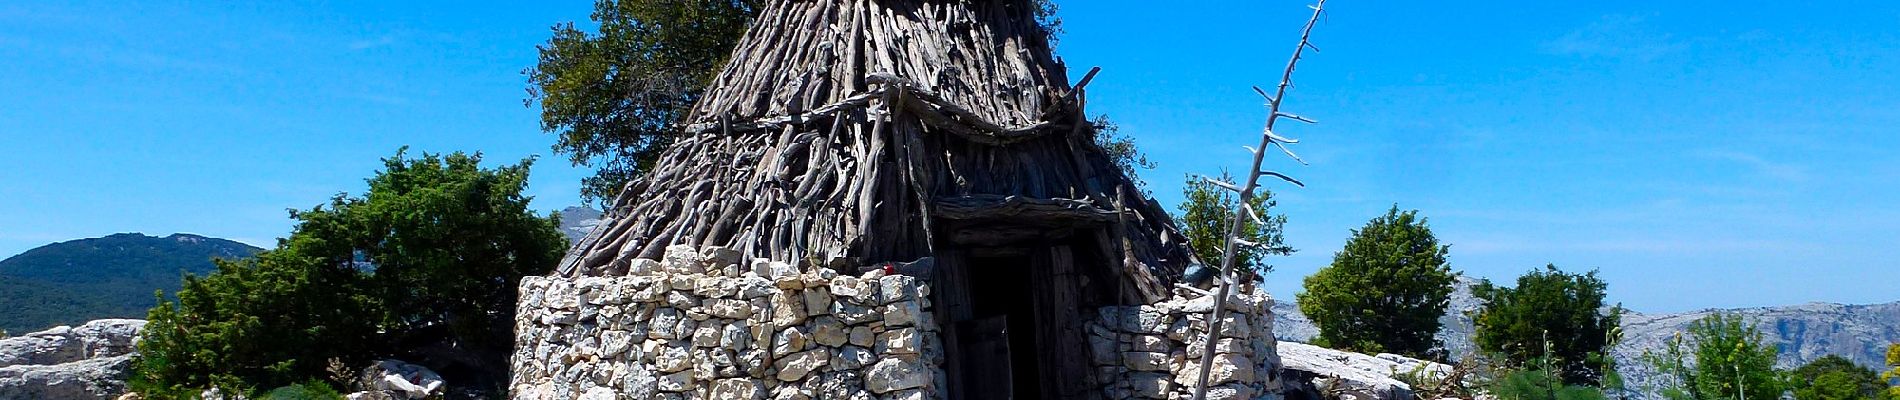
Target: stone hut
[(885, 199)]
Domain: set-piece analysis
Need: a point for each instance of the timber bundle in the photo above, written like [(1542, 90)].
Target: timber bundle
[(849, 133)]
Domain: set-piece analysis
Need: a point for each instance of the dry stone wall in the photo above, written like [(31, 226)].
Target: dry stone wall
[(1153, 351), (704, 324)]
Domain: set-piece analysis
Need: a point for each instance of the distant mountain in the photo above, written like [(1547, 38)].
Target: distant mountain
[(109, 277), (1802, 332), (578, 221)]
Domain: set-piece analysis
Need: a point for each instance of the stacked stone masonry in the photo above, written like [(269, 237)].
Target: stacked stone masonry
[(1153, 351), (705, 324)]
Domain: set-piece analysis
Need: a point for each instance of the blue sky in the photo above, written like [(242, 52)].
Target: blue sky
[(1743, 154)]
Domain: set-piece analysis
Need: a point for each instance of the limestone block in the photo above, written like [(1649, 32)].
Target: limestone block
[(683, 259), (728, 308), (852, 357), (738, 389), (896, 373), (854, 314), (788, 308), (895, 288), (676, 382), (817, 300), (1226, 368), (674, 356), (902, 313), (796, 366), (644, 266), (707, 335), (735, 335), (828, 331), (789, 340), (899, 341), (861, 336)]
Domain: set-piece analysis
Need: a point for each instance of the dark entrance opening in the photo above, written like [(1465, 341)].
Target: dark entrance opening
[(1002, 322), (1013, 311)]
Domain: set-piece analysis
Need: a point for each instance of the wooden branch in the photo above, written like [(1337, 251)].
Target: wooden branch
[(1019, 208), (1229, 253)]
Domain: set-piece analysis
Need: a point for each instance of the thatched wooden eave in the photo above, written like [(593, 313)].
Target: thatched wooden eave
[(852, 132)]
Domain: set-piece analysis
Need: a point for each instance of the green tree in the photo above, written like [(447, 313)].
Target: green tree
[(1833, 377), (1730, 361), (422, 267), (613, 95), (1893, 361), (1121, 149), (1206, 211), (1551, 318), (1385, 291), (262, 322)]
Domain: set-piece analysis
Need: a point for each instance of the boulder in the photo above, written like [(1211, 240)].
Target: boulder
[(402, 380), (1313, 372), (98, 378), (87, 362)]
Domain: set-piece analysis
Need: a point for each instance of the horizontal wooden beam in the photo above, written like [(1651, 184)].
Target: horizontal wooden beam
[(1023, 210)]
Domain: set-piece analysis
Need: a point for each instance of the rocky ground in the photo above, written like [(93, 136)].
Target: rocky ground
[(86, 362)]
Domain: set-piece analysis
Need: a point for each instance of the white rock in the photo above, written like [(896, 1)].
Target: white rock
[(788, 308), (897, 288), (683, 259), (788, 341), (796, 366), (899, 341), (676, 382), (896, 373), (1225, 368), (719, 257), (738, 389), (598, 393), (409, 379), (645, 267), (1354, 372)]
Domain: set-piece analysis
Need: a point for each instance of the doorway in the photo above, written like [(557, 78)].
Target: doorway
[(1014, 323)]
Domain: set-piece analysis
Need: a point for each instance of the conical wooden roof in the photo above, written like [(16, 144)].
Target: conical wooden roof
[(862, 131)]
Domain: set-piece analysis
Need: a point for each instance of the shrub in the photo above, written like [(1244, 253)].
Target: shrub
[(1551, 317), (1385, 291), (426, 262), (1835, 378), (1730, 360), (1206, 211)]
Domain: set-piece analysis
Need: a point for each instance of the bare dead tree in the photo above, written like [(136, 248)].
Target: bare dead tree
[(1246, 192)]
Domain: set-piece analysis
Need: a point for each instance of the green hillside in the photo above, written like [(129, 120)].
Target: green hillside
[(75, 281)]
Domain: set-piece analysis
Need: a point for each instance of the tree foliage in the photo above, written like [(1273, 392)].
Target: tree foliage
[(1893, 375), (1723, 357), (612, 95), (1206, 211), (422, 267), (1551, 318), (1833, 377), (1385, 291)]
